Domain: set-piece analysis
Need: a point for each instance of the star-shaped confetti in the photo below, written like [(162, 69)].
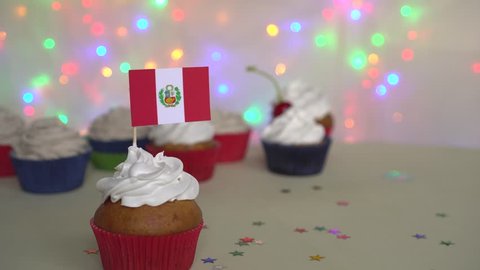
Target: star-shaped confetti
[(247, 239), (237, 253), (334, 231), (90, 251), (258, 223), (241, 243), (300, 230), (343, 203), (447, 243), (420, 236), (208, 260), (343, 236), (317, 187), (320, 228), (285, 190), (441, 215), (316, 258)]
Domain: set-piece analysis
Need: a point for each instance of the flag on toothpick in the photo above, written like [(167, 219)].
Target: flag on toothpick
[(169, 95)]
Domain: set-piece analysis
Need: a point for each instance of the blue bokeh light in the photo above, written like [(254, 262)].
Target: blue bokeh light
[(295, 27), (28, 97), (355, 14), (101, 50), (222, 89), (393, 79), (381, 90), (142, 23)]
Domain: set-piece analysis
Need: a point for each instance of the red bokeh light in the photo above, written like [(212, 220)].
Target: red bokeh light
[(328, 14), (70, 68), (97, 29), (367, 84), (29, 110), (476, 68), (373, 72), (56, 6), (407, 54), (87, 18), (178, 15)]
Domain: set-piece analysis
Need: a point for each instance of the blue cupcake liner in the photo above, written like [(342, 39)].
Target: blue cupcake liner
[(51, 176), (295, 159), (115, 146)]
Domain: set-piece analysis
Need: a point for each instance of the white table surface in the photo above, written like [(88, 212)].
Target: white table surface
[(52, 231)]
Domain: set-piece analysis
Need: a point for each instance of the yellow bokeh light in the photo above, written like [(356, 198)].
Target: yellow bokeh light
[(122, 31), (373, 58), (21, 11), (280, 69), (272, 30), (150, 65), (63, 79), (106, 72), (3, 35), (176, 54)]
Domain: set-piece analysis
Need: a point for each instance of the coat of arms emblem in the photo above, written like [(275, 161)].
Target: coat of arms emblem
[(170, 96)]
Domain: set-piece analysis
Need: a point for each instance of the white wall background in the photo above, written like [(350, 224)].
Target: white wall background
[(437, 101)]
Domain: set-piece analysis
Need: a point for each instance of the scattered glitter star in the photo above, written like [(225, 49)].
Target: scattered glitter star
[(343, 236), (240, 243), (420, 236), (247, 239), (334, 231), (447, 243), (208, 260), (300, 230), (258, 223), (316, 258), (320, 228), (317, 187), (343, 203), (441, 215), (259, 242), (237, 253), (91, 251), (285, 190)]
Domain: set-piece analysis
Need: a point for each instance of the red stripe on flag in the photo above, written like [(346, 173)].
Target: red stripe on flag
[(196, 94), (143, 97)]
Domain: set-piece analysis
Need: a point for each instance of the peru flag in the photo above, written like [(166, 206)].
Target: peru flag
[(169, 95)]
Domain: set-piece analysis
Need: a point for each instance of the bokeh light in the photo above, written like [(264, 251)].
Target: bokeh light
[(358, 60), (412, 35), (150, 65), (222, 89), (142, 24), (178, 15), (476, 67), (381, 90), (122, 31), (272, 30), (397, 117), (3, 35), (21, 11), (222, 17), (377, 40), (70, 68), (87, 18), (63, 118), (107, 72), (328, 14), (280, 69), (326, 39), (367, 84), (40, 81), (29, 110), (124, 67), (176, 54), (407, 54), (49, 43), (406, 11), (349, 123), (355, 14), (373, 73), (321, 41), (393, 78), (56, 5), (216, 56), (295, 27), (160, 3), (101, 50), (28, 97), (87, 3), (373, 59), (253, 115), (97, 29), (63, 79)]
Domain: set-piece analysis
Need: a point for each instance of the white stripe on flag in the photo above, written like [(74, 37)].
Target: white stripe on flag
[(164, 77)]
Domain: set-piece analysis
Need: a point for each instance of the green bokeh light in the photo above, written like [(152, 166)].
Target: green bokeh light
[(358, 60), (253, 115), (63, 118), (321, 41), (49, 43), (124, 67), (406, 11), (160, 3), (326, 39), (40, 81), (377, 40)]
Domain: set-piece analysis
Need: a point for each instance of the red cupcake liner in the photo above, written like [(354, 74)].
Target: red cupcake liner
[(233, 147), (199, 163), (136, 252), (6, 165)]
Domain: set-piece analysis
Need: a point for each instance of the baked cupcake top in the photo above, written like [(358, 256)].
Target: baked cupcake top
[(48, 138), (228, 122), (115, 125), (11, 127), (182, 133), (294, 127), (146, 180), (308, 98)]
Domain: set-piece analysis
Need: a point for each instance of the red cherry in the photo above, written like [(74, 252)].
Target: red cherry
[(280, 107)]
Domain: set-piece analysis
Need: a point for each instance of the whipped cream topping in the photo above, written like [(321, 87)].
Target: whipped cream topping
[(11, 127), (307, 98), (115, 125), (146, 180), (294, 127), (48, 138), (228, 122), (182, 133)]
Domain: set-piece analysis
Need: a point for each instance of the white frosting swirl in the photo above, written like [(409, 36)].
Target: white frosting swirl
[(228, 122), (48, 138), (146, 180), (115, 125), (182, 133), (294, 127), (11, 127), (307, 98)]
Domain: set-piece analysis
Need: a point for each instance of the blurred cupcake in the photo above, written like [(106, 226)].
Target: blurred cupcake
[(233, 133), (191, 142), (50, 157), (312, 101), (11, 128), (148, 218), (294, 144), (110, 135)]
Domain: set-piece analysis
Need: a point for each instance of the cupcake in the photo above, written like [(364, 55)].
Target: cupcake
[(191, 142), (110, 135), (312, 101), (50, 157), (148, 219), (11, 128), (233, 133), (295, 144)]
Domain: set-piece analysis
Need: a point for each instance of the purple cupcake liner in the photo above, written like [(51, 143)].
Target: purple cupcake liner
[(295, 159), (51, 176), (115, 146)]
